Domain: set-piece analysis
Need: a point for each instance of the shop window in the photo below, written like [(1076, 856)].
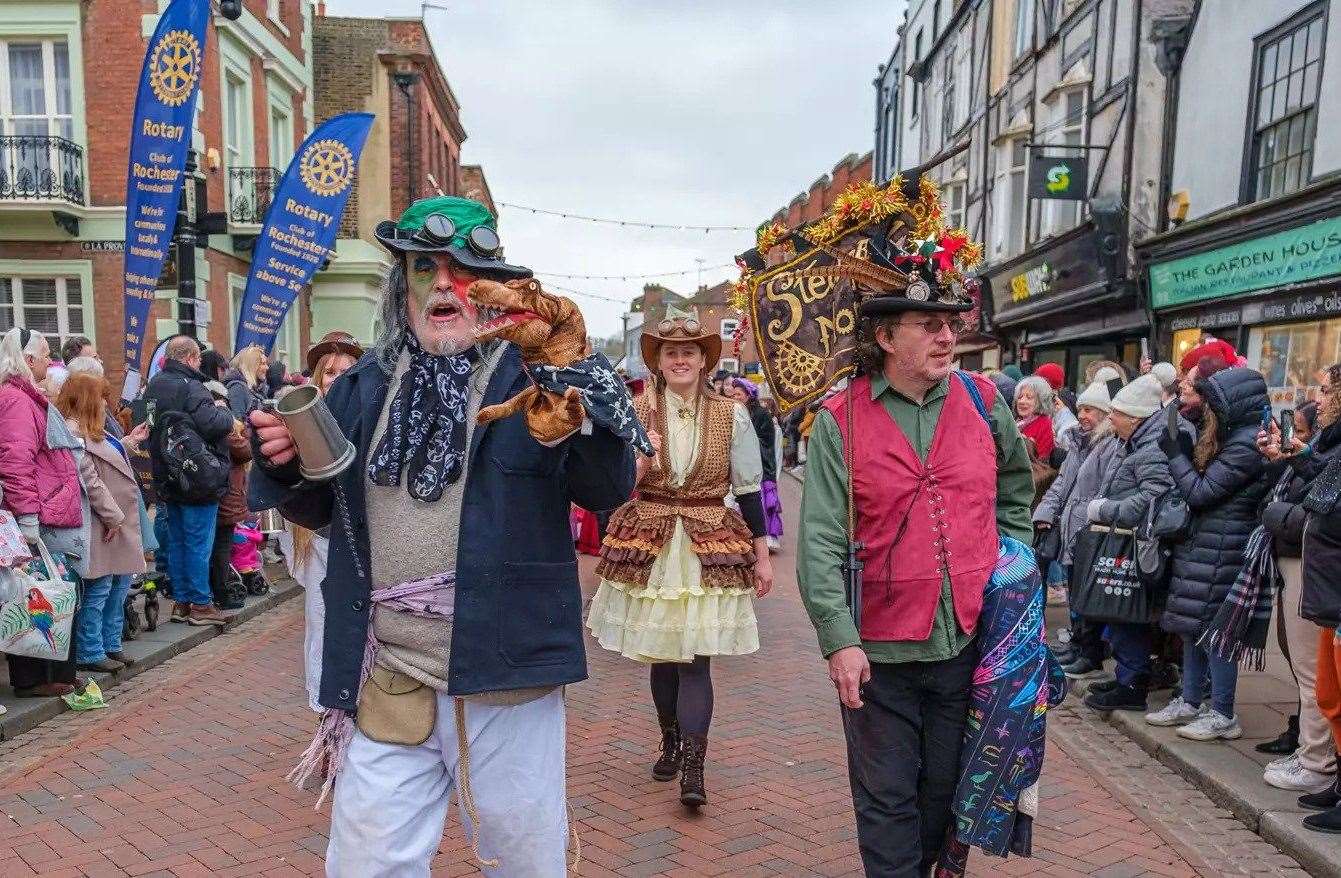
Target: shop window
[(1285, 112), (53, 306), (1293, 358), (1184, 340)]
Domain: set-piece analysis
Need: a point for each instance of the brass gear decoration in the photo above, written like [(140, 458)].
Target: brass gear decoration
[(327, 167), (175, 67), (797, 369)]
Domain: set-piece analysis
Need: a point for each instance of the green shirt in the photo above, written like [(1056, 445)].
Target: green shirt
[(822, 545)]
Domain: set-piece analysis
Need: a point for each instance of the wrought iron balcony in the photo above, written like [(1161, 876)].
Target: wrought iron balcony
[(38, 167), (249, 194)]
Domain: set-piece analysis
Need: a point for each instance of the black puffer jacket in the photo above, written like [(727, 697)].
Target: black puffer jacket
[(1285, 517), (1224, 500)]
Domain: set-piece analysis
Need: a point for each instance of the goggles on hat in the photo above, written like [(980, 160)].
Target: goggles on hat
[(689, 324), (439, 230)]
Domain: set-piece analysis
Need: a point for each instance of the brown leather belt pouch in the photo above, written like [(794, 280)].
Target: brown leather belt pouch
[(396, 709)]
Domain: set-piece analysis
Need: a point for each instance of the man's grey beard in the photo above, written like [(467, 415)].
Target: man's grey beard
[(448, 347)]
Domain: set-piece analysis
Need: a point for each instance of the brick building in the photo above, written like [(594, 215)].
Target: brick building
[(810, 205), (386, 67), (68, 79), (715, 311)]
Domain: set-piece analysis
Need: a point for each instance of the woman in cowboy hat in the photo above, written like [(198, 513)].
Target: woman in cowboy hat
[(679, 569), (306, 550)]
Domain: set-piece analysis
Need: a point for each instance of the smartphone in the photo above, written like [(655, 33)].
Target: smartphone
[(1145, 349), (1171, 421), (149, 406), (1266, 418), (1286, 429)]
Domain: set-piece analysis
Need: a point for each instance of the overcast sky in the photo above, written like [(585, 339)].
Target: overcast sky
[(709, 112)]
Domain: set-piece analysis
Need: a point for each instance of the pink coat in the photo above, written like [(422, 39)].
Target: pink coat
[(37, 480), (113, 498)]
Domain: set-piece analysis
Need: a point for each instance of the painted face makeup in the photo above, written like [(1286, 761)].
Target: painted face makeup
[(441, 316)]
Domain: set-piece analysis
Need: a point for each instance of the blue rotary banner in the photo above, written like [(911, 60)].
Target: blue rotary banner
[(160, 136), (301, 225)]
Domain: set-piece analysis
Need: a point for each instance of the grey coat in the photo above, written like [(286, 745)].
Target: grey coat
[(1139, 473), (1077, 483)]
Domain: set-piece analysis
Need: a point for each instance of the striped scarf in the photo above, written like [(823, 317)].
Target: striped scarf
[(1238, 633)]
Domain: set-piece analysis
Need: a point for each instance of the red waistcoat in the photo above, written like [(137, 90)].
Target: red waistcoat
[(945, 508)]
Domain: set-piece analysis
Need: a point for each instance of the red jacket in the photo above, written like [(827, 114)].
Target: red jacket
[(37, 480), (1040, 431)]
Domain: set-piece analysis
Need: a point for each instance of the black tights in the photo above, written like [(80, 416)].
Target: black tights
[(683, 692)]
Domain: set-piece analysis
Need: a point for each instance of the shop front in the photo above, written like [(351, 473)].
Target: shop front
[(1068, 304), (1265, 278)]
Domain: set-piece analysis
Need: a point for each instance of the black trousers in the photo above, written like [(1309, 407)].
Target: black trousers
[(903, 749), (221, 556)]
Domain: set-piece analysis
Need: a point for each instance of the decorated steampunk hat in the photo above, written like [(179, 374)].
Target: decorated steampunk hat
[(460, 227), (679, 325)]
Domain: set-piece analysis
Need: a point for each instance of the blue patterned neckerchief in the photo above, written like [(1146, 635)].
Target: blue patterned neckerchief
[(426, 425)]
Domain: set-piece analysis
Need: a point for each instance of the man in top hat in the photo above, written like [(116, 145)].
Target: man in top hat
[(933, 481), (451, 563)]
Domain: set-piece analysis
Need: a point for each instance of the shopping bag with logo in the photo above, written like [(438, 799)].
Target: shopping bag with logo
[(1106, 583), (38, 622)]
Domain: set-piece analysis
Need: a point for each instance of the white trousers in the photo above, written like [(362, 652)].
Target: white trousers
[(391, 800)]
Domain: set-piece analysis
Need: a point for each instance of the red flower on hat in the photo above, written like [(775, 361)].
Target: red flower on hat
[(946, 248)]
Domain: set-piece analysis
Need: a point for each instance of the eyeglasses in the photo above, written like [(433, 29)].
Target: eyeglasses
[(438, 230), (689, 325), (934, 325)]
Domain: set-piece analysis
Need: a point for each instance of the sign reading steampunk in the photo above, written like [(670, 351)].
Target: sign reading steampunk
[(799, 289)]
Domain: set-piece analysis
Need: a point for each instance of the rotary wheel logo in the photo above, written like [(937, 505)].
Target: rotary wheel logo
[(175, 67), (327, 167)]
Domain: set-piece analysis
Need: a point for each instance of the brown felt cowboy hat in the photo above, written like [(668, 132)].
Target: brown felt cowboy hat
[(680, 325), (333, 343)]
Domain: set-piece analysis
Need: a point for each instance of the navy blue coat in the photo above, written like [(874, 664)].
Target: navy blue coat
[(518, 619)]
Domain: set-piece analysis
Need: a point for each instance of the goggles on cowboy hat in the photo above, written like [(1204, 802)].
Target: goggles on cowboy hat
[(460, 227), (680, 326)]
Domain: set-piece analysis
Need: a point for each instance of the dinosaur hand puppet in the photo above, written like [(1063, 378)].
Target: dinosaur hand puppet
[(548, 330), (569, 383)]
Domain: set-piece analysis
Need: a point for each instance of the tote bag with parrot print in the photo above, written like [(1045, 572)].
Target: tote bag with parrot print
[(39, 621)]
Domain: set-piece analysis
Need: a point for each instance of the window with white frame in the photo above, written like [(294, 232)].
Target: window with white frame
[(1285, 113), (1024, 27), (964, 76), (1008, 224), (729, 364), (35, 102), (35, 88), (53, 306), (235, 111), (281, 137), (272, 9), (948, 97), (730, 326), (1069, 115), (953, 197)]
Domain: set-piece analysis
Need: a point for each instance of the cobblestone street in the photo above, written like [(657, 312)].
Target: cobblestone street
[(184, 775)]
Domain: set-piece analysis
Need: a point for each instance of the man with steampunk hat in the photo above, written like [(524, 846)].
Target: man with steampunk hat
[(920, 469), (453, 612)]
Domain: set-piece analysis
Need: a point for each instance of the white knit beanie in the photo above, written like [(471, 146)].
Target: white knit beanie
[(1166, 374), (1140, 399), (1095, 396)]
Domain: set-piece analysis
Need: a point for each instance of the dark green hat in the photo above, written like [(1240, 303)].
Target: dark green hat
[(461, 227)]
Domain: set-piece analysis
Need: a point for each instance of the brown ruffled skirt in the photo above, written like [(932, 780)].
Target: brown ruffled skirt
[(633, 540)]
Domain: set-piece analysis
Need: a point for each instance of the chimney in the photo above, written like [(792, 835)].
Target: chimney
[(321, 8)]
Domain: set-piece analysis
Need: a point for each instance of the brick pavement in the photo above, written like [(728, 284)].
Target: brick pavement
[(183, 776)]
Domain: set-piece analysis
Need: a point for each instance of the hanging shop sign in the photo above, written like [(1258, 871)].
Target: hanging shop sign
[(301, 226), (1295, 256), (1058, 177)]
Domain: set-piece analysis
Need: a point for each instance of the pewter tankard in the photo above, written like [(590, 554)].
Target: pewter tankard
[(323, 450)]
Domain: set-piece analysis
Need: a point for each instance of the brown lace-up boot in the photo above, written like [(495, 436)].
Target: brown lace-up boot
[(692, 794), (669, 764)]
